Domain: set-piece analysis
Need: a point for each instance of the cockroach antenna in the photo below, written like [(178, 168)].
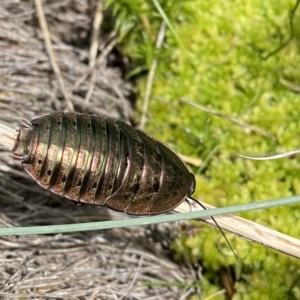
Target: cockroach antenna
[(214, 220)]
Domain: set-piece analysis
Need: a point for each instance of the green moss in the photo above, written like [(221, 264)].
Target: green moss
[(222, 66)]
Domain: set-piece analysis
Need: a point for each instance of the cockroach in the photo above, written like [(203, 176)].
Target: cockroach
[(95, 160), (90, 159)]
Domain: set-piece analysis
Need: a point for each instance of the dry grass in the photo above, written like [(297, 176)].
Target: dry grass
[(96, 265)]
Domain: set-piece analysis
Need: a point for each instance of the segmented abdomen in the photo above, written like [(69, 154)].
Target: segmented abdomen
[(99, 161)]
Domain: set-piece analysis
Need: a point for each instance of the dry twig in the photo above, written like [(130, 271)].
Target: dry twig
[(250, 230), (94, 48), (159, 42), (51, 53), (234, 120)]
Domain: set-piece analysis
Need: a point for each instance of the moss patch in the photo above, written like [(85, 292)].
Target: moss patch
[(223, 67)]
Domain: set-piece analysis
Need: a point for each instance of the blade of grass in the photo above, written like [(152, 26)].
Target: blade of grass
[(167, 21), (292, 13), (170, 26), (149, 220)]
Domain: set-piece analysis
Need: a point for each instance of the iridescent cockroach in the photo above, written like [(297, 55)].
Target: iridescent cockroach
[(95, 160)]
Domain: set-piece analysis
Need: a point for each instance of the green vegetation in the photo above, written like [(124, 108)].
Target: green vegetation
[(221, 63)]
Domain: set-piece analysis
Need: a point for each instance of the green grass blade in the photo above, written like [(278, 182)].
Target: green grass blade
[(171, 27), (148, 220), (167, 21)]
